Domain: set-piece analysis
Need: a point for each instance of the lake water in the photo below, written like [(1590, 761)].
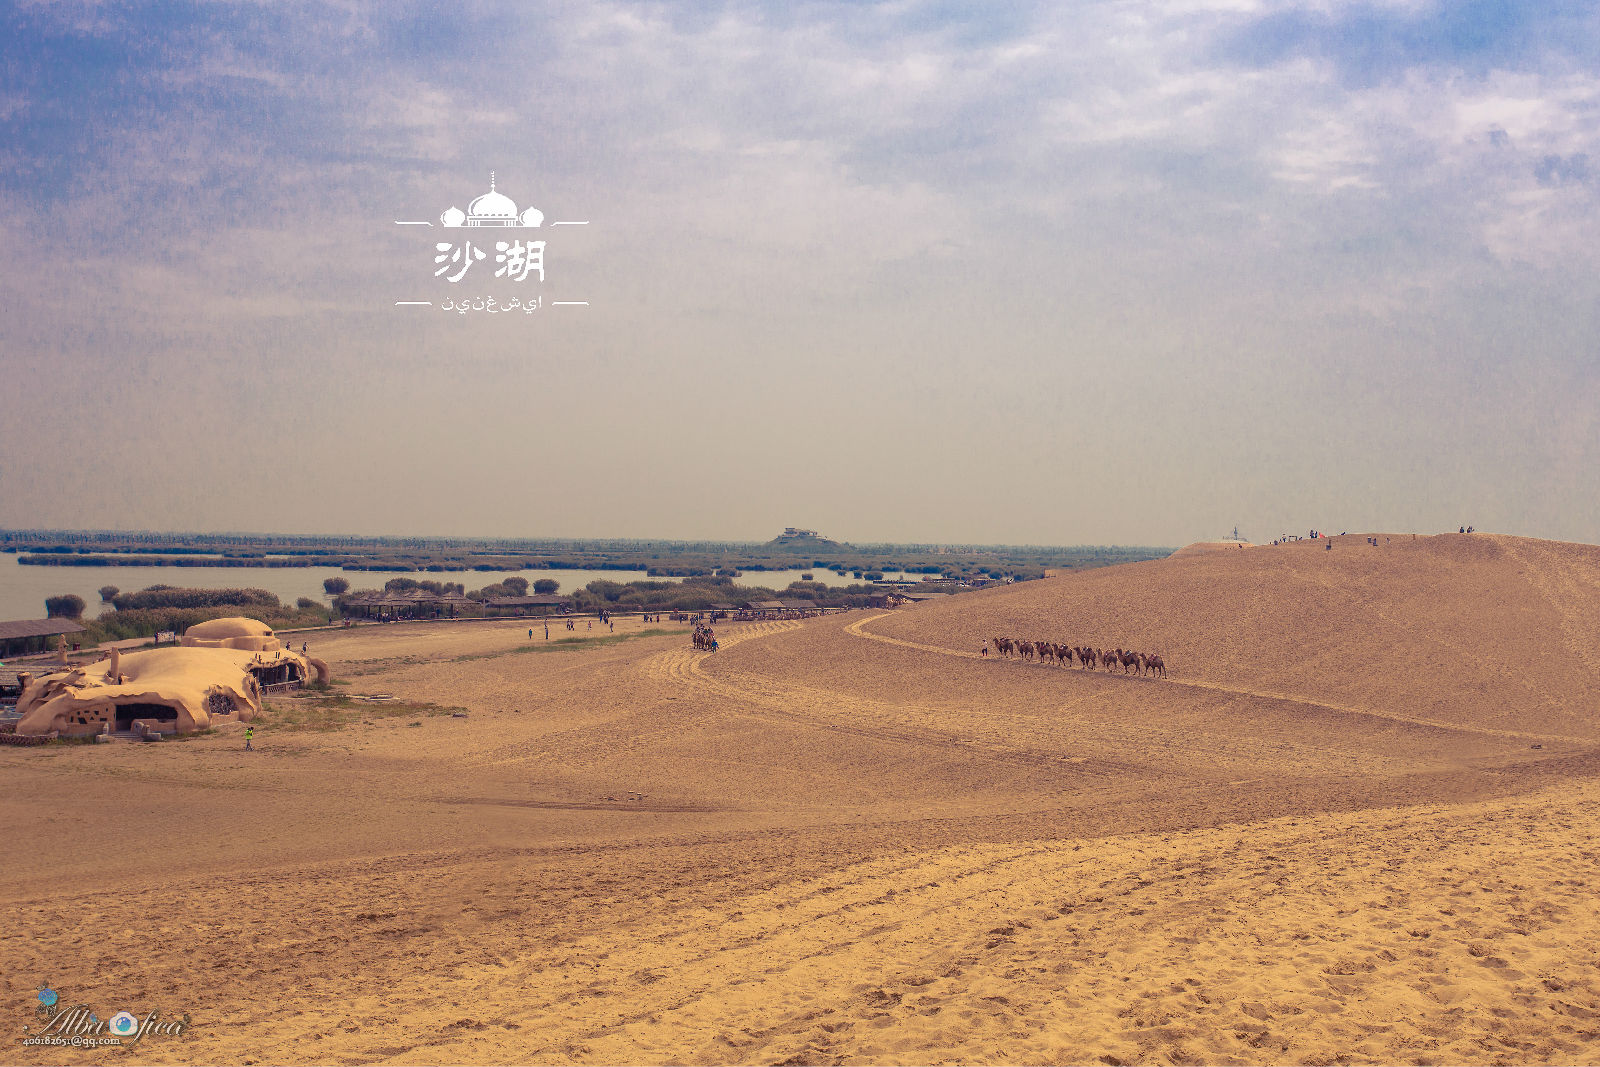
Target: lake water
[(23, 589)]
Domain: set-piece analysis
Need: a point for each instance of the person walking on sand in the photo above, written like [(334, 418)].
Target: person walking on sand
[(249, 736)]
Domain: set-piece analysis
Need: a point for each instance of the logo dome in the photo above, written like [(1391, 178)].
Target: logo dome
[(493, 208)]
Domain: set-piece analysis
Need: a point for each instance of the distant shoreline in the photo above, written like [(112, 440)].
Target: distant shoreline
[(657, 559)]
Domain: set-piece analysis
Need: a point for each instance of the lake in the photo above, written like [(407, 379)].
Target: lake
[(23, 589)]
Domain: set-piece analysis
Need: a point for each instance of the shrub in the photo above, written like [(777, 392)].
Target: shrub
[(335, 586), (119, 625), (69, 606), (107, 592), (517, 584), (306, 602), (610, 591), (401, 585), (505, 588), (165, 596), (546, 586)]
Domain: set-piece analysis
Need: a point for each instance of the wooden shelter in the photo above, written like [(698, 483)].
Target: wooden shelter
[(404, 604), (26, 637), (542, 604)]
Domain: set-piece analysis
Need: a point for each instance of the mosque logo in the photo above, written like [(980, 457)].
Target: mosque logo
[(493, 208), (516, 256)]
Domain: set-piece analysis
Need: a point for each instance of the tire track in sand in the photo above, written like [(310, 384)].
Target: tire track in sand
[(1281, 941), (782, 703), (763, 963), (590, 744), (675, 668)]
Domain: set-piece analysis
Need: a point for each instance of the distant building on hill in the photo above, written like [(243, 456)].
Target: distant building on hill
[(796, 539)]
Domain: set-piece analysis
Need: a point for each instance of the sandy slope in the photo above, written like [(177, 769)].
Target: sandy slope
[(1328, 838), (1480, 630)]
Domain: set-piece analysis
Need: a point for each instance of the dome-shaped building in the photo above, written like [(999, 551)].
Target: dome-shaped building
[(492, 208)]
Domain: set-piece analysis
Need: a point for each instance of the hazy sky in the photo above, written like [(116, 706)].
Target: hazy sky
[(1052, 273)]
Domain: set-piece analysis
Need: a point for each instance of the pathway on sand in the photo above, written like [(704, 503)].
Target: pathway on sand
[(858, 629), (781, 701)]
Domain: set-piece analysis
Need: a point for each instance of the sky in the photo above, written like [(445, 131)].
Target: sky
[(1036, 273)]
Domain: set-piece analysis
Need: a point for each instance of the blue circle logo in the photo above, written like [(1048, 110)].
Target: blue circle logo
[(47, 996), (123, 1023)]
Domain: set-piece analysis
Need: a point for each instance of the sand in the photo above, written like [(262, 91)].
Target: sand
[(1357, 824)]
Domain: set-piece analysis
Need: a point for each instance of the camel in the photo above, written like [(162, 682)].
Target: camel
[(1131, 662)]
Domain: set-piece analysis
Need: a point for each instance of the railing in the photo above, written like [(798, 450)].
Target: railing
[(27, 739)]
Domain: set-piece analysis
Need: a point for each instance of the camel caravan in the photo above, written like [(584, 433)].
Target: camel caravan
[(1088, 658)]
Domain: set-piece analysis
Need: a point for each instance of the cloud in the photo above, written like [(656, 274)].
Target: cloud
[(1374, 43), (1217, 198), (1553, 170)]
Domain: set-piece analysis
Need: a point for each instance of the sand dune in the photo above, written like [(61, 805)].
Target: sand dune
[(1201, 548), (1475, 630), (1329, 837)]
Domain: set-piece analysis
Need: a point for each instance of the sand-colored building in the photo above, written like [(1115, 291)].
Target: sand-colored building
[(273, 662), (216, 674)]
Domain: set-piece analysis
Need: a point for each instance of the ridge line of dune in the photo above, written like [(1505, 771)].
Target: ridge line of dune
[(855, 629)]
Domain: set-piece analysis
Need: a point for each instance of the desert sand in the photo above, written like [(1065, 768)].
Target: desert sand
[(1359, 823)]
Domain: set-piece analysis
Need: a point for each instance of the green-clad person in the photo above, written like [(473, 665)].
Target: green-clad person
[(249, 736)]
